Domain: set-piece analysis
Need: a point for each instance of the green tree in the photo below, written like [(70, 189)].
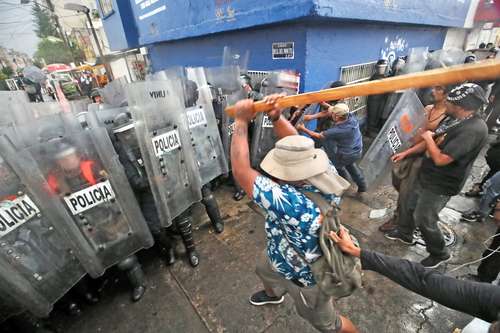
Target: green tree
[(53, 50), (44, 24), (7, 71)]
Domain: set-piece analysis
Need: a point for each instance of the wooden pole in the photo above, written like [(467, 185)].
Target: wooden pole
[(484, 70)]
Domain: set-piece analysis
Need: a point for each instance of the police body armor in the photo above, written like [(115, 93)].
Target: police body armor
[(37, 240), (166, 147), (395, 136), (263, 136), (86, 180)]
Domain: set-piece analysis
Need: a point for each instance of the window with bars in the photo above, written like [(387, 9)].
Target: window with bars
[(106, 7), (354, 74)]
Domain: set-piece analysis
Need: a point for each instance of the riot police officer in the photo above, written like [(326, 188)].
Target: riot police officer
[(73, 170), (128, 150), (208, 200)]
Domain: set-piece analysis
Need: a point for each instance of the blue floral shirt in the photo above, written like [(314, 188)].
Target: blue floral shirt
[(292, 227)]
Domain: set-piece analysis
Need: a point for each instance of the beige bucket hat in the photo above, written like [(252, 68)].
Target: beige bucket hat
[(294, 158), (339, 109)]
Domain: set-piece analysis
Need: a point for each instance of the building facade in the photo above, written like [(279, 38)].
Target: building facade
[(486, 26), (317, 38)]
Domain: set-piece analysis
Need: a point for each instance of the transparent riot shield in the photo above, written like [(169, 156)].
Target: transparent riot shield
[(401, 127), (263, 136), (202, 125), (85, 178), (17, 295), (446, 58), (226, 83), (34, 130), (114, 92), (166, 148), (418, 58), (35, 241), (103, 117)]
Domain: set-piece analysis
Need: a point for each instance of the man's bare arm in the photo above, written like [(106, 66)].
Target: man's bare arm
[(434, 152), (240, 152), (312, 134)]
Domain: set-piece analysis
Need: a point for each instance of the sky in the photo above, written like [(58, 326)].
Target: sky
[(16, 27)]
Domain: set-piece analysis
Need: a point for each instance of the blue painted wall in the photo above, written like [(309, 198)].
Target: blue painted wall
[(207, 50), (450, 13), (332, 45), (321, 48), (120, 26), (162, 20)]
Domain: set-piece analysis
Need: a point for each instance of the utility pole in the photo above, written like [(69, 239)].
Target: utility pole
[(50, 6), (86, 11)]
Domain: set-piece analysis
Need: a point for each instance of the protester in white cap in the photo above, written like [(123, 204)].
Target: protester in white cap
[(294, 167), (343, 144)]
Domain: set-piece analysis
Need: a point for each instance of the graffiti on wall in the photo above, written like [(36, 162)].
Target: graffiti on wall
[(393, 47), (224, 12)]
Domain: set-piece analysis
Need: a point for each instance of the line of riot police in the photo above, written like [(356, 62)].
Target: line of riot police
[(85, 190)]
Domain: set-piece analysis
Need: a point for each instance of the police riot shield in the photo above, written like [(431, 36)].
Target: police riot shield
[(227, 85), (405, 122), (36, 237), (103, 117), (263, 136), (84, 176), (202, 126), (418, 58), (166, 148), (34, 130), (114, 92), (446, 58)]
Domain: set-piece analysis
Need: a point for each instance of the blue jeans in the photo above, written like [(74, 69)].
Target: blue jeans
[(347, 167), (491, 192)]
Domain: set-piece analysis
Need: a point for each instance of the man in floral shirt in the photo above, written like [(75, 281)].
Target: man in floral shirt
[(293, 221)]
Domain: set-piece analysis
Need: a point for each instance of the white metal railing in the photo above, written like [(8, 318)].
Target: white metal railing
[(353, 74)]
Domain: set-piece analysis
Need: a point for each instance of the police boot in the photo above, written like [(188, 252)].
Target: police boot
[(184, 226), (135, 276), (84, 290), (167, 245), (212, 209)]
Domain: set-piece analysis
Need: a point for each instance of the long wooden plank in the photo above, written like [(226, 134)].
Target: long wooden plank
[(485, 70)]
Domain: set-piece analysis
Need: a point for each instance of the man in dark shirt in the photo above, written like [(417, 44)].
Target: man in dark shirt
[(376, 103), (477, 299), (343, 144), (449, 155)]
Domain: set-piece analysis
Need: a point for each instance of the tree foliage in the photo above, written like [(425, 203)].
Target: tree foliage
[(44, 24), (53, 51), (7, 71)]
